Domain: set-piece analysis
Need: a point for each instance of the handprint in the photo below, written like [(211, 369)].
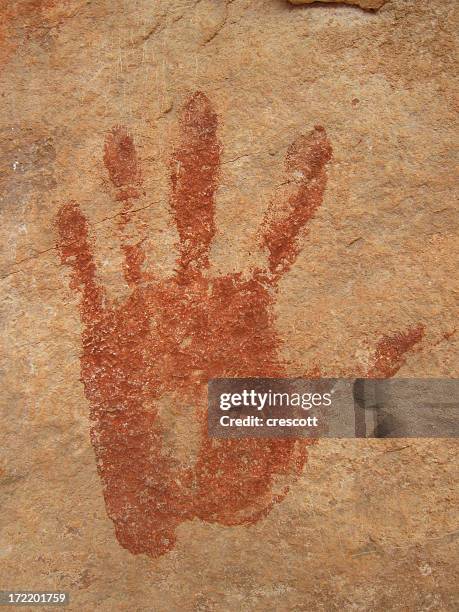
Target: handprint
[(170, 336)]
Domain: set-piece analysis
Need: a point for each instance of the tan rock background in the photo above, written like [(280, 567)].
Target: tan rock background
[(370, 525)]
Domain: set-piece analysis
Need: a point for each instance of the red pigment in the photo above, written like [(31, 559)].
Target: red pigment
[(172, 336), (194, 171), (391, 352), (121, 161), (305, 164)]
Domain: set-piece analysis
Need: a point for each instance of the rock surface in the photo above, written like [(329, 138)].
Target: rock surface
[(322, 142), (365, 4)]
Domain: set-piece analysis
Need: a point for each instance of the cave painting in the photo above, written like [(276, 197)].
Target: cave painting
[(170, 336)]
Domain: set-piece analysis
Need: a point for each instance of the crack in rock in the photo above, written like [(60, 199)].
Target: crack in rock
[(365, 4)]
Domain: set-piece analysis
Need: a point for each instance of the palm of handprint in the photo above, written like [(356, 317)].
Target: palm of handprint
[(171, 336)]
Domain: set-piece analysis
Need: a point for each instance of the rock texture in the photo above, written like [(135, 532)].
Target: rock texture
[(196, 188), (365, 4)]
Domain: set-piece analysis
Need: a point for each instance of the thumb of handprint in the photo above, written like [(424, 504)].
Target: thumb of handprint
[(158, 349)]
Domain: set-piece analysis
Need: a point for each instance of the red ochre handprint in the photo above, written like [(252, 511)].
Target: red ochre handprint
[(171, 336)]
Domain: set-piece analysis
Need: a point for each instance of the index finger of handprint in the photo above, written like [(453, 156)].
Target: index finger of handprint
[(305, 163), (121, 161), (123, 167)]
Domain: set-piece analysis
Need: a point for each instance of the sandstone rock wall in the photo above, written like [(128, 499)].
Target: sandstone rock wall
[(354, 222)]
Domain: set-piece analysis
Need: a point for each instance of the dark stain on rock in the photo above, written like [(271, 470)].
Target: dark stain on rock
[(27, 161), (23, 21)]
